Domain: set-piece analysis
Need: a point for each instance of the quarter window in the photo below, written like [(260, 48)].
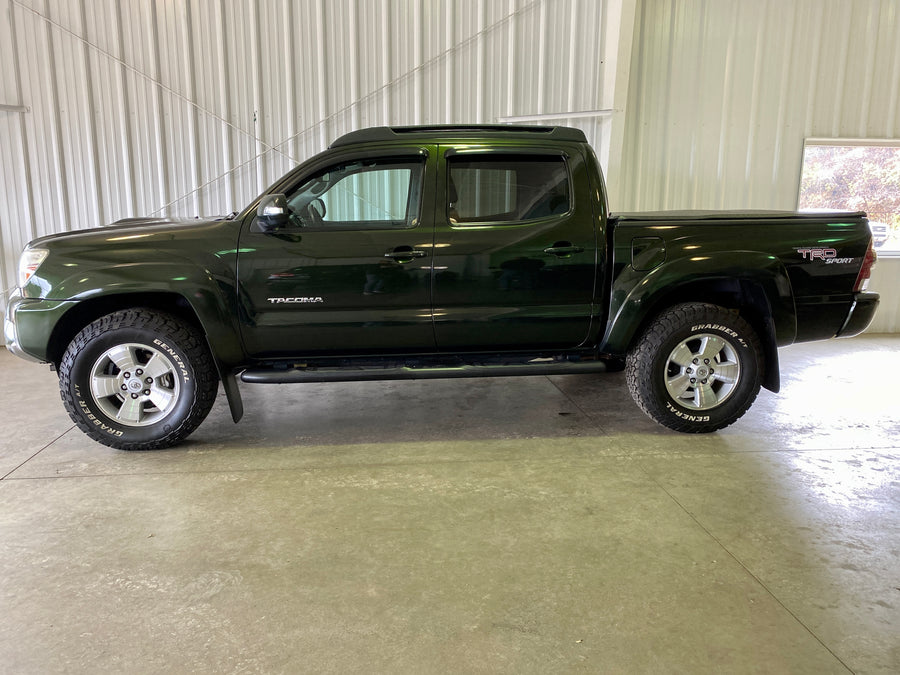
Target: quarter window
[(362, 194), (506, 189)]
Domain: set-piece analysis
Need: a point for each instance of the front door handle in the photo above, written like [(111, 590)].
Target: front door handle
[(405, 254)]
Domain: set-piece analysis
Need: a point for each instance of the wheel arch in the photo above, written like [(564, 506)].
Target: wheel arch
[(748, 299), (755, 286), (226, 349), (92, 309)]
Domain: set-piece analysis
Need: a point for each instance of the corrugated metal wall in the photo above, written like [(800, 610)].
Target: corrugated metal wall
[(193, 107), (723, 92)]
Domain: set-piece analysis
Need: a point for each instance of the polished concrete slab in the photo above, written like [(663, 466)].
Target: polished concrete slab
[(528, 525)]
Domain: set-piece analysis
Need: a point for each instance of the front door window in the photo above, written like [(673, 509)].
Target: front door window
[(360, 195)]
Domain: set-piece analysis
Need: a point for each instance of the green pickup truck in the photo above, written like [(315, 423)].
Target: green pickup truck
[(433, 252)]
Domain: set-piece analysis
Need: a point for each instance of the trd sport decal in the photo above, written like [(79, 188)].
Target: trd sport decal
[(826, 255)]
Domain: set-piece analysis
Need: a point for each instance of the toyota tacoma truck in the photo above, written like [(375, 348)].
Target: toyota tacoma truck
[(433, 252)]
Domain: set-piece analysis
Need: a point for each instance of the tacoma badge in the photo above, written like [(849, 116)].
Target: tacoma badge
[(295, 301)]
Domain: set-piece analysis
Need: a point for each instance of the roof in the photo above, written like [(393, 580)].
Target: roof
[(456, 132)]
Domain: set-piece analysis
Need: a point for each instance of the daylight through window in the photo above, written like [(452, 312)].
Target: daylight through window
[(855, 175)]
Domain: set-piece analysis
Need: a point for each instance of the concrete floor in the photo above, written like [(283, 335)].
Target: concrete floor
[(530, 525)]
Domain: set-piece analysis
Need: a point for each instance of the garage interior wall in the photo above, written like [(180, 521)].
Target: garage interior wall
[(115, 109), (112, 109), (722, 94)]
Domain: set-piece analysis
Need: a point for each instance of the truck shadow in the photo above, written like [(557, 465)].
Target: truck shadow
[(431, 411)]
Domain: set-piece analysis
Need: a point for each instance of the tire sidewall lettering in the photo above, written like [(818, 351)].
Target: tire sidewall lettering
[(687, 417), (733, 334), (91, 417), (185, 375)]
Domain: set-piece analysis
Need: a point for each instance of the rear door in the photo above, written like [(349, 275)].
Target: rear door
[(352, 271), (514, 249)]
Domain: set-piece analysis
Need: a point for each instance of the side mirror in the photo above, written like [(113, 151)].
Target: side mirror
[(272, 212)]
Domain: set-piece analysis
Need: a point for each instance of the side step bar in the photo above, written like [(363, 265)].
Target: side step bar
[(372, 373)]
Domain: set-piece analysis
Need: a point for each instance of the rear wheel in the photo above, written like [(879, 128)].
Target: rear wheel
[(138, 380), (697, 368)]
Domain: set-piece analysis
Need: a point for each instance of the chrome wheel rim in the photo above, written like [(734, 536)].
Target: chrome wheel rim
[(702, 371), (135, 385)]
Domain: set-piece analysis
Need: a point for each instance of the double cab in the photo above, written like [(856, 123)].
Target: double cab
[(426, 252)]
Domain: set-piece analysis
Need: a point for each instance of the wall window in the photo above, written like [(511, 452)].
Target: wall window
[(507, 189), (362, 194), (856, 175)]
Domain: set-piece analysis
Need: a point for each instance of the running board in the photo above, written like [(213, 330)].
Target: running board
[(373, 373)]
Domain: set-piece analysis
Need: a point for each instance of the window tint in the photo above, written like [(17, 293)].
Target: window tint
[(364, 194), (506, 189)]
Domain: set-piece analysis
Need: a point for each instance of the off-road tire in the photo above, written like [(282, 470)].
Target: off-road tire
[(138, 410), (680, 370)]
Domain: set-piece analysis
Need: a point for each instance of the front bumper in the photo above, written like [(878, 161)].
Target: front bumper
[(860, 315), (10, 329), (29, 323)]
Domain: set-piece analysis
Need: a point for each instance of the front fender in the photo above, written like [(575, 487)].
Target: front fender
[(208, 287), (752, 279)]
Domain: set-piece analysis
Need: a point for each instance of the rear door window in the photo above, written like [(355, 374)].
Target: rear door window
[(506, 189)]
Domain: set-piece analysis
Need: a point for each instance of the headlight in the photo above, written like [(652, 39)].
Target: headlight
[(29, 262)]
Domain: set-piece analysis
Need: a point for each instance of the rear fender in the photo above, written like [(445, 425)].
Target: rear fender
[(756, 284)]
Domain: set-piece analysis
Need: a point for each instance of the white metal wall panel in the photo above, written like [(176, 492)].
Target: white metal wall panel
[(194, 106), (723, 92), (886, 280)]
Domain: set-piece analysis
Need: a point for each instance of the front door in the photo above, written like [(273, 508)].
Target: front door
[(351, 272)]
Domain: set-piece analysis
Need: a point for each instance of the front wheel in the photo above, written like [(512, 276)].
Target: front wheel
[(138, 380), (697, 368)]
